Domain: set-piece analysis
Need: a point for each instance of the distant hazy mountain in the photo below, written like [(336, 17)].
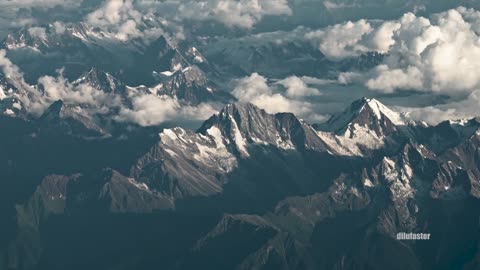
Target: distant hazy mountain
[(277, 55), (79, 47)]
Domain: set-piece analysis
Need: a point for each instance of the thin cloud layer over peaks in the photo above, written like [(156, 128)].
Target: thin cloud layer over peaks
[(127, 15), (134, 18), (243, 13), (37, 3)]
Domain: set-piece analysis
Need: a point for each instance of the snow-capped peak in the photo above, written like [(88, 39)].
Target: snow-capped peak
[(381, 110), (368, 113)]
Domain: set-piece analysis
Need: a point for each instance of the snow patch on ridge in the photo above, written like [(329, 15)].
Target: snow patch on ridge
[(379, 109), (238, 138), (141, 186)]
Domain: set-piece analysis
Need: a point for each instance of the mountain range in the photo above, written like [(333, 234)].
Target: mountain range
[(85, 54), (86, 60), (83, 188), (247, 190)]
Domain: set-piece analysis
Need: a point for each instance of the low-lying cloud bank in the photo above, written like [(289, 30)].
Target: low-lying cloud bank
[(139, 107)]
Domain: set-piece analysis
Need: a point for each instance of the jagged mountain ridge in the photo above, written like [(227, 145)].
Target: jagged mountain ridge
[(189, 164), (102, 81), (228, 135), (284, 186), (189, 86)]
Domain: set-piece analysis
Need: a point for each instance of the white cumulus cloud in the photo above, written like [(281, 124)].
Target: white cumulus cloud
[(297, 87), (341, 40), (439, 54), (255, 89)]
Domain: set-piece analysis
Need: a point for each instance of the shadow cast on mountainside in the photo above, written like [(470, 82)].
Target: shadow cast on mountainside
[(119, 241), (27, 155), (258, 184)]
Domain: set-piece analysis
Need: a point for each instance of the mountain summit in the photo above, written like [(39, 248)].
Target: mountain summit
[(365, 113), (246, 123)]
